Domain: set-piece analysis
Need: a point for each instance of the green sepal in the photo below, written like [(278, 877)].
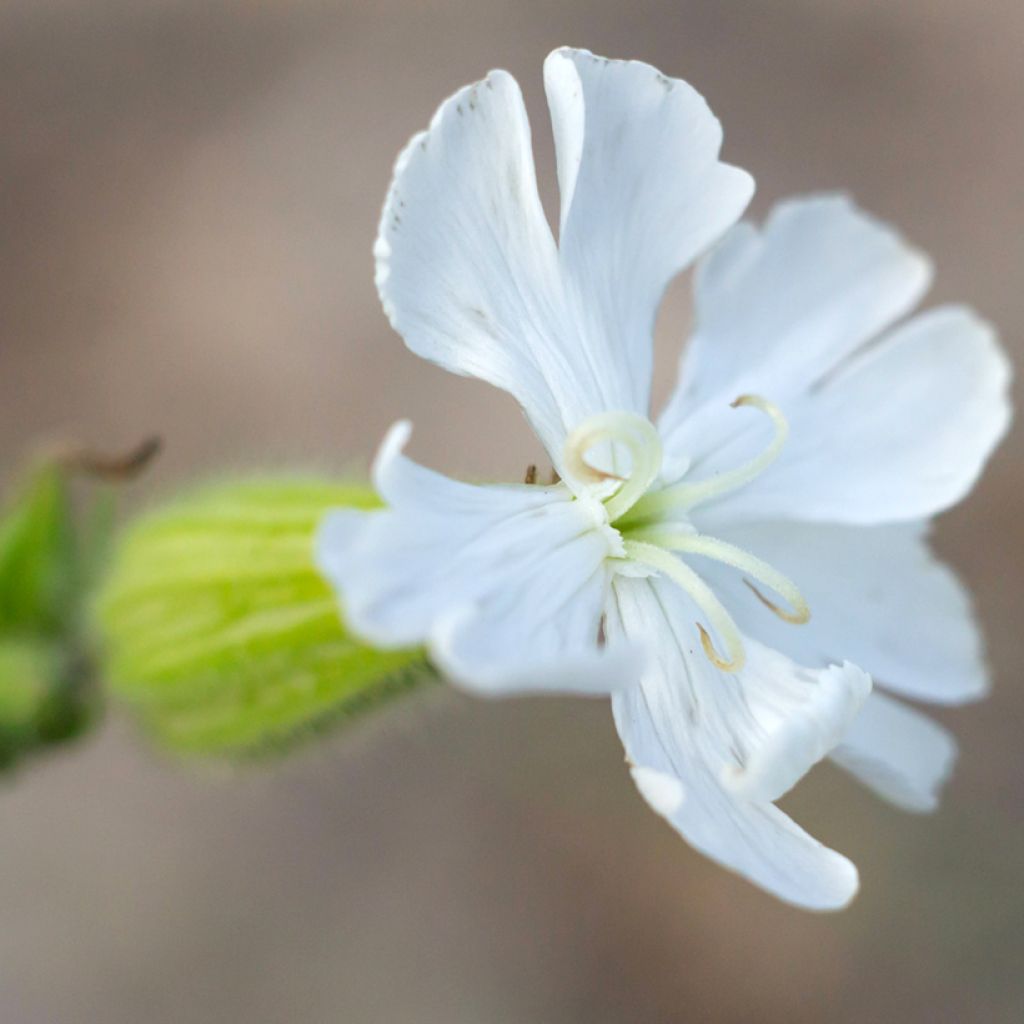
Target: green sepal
[(44, 693), (219, 630)]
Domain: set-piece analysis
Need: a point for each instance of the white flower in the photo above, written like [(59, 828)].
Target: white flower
[(627, 576)]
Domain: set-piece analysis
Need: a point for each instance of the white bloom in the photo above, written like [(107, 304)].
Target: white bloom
[(627, 576)]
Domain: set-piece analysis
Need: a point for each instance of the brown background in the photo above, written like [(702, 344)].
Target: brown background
[(188, 196)]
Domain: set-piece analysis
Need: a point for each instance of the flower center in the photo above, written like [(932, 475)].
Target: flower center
[(654, 532)]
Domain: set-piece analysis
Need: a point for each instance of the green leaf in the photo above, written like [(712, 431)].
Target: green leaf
[(43, 696), (221, 633), (27, 669), (39, 580), (44, 669)]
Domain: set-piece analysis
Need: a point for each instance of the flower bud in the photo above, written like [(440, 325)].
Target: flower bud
[(219, 630)]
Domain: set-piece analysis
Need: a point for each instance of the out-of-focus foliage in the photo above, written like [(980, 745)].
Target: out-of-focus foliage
[(220, 632), (46, 563)]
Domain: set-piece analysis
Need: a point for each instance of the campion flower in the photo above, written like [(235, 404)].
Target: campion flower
[(712, 572)]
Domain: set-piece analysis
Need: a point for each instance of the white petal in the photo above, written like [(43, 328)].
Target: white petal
[(877, 596), (705, 729), (662, 791), (802, 736), (467, 268), (778, 308), (505, 585), (899, 753), (899, 433), (642, 194), (897, 430)]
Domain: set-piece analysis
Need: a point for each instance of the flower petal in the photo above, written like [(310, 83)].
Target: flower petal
[(777, 308), (642, 194), (732, 743), (900, 433), (467, 268), (505, 585), (898, 430), (801, 735), (877, 596), (900, 754)]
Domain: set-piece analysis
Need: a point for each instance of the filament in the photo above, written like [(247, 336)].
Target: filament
[(730, 554), (668, 565), (687, 495)]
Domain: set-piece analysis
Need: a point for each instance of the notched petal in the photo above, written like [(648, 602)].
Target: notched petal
[(802, 738)]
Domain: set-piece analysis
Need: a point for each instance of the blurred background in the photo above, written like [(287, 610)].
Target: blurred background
[(189, 192)]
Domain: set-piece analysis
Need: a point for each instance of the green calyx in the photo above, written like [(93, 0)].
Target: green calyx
[(220, 632)]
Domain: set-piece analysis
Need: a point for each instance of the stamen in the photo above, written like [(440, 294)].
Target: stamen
[(722, 551), (687, 495), (714, 657), (796, 618), (637, 435), (702, 595)]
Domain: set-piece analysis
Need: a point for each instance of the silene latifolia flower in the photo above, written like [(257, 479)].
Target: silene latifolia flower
[(711, 571)]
